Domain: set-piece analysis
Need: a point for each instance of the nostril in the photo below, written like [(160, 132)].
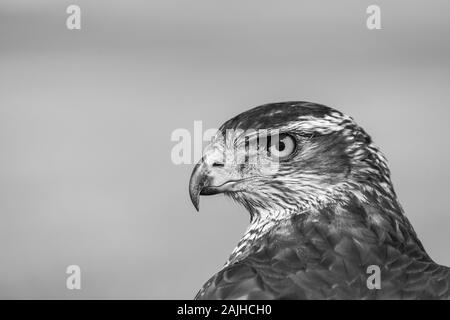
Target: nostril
[(218, 164)]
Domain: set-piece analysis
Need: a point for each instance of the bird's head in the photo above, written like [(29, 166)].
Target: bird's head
[(284, 158)]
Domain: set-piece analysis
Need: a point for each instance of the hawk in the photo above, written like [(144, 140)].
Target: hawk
[(323, 211)]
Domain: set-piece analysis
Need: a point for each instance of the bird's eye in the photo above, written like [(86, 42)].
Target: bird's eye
[(282, 147)]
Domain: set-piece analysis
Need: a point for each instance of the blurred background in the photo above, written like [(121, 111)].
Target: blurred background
[(86, 117)]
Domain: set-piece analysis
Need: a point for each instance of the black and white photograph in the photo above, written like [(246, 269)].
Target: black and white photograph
[(224, 150)]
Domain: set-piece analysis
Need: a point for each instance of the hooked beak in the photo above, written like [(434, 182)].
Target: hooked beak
[(208, 180)]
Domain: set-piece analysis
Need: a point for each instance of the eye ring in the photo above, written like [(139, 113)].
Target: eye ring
[(283, 147)]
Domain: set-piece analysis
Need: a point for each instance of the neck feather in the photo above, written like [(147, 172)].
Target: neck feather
[(370, 207)]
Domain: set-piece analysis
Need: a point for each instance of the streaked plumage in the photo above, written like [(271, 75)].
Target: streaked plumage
[(319, 218)]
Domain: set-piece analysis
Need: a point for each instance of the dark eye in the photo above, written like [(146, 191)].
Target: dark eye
[(282, 148)]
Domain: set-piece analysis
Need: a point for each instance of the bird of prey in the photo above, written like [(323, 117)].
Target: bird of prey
[(323, 211)]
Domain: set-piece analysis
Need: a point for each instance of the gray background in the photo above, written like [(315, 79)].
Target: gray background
[(86, 116)]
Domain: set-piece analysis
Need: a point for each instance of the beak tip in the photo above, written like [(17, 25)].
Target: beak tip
[(196, 205), (195, 198), (195, 186)]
